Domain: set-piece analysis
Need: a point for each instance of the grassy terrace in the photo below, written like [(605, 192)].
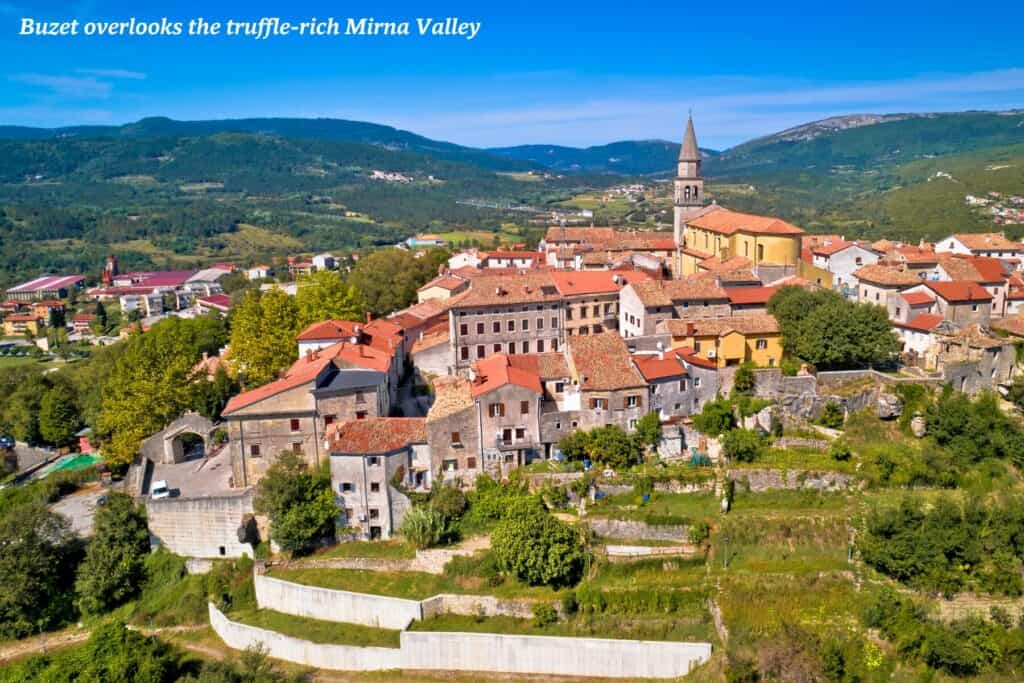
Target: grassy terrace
[(394, 549), (641, 627), (316, 630)]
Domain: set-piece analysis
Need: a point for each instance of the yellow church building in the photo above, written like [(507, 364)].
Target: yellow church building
[(752, 338)]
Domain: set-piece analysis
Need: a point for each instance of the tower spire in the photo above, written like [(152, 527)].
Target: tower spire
[(689, 151)]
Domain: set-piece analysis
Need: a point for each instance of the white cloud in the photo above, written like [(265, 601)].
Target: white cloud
[(85, 87), (113, 73)]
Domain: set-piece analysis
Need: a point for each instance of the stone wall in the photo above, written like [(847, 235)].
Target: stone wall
[(757, 480), (430, 561), (201, 527), (634, 530), (478, 652), (476, 605)]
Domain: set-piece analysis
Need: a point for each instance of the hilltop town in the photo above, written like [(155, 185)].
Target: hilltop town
[(520, 440)]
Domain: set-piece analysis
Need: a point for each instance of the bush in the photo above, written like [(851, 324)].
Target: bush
[(743, 380), (299, 503), (449, 501), (569, 604), (742, 445), (840, 451), (544, 615), (423, 526), (537, 548), (114, 566), (715, 418), (699, 532), (832, 416)]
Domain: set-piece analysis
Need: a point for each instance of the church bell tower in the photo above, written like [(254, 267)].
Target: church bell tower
[(689, 185)]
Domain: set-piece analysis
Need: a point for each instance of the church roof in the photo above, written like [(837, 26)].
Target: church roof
[(689, 151)]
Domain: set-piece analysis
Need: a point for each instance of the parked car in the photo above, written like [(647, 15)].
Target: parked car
[(160, 490), (6, 442)]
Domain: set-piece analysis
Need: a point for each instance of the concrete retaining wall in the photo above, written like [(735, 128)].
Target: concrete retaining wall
[(201, 527), (430, 561), (474, 605), (479, 652), (379, 611)]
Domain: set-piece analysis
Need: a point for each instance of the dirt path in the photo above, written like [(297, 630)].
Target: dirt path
[(68, 637)]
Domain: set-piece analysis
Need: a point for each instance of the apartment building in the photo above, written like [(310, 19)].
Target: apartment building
[(645, 304)]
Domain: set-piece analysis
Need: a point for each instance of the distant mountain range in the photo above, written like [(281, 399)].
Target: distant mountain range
[(639, 157)]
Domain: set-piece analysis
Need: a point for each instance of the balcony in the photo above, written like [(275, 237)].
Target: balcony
[(514, 444)]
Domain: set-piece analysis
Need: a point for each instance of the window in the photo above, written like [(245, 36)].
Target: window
[(682, 384), (540, 324), (456, 439), (526, 347), (632, 423), (568, 314), (374, 487), (496, 327), (349, 512), (760, 252), (463, 329), (554, 323), (497, 348), (347, 487), (761, 344), (479, 328), (632, 401), (464, 353), (696, 347), (360, 414), (360, 397), (559, 387), (511, 348), (373, 461), (506, 436), (520, 433), (294, 423), (328, 420), (296, 447), (374, 513), (696, 382), (974, 307), (540, 346), (526, 325), (899, 311), (554, 344), (575, 424), (524, 407), (471, 462), (511, 325), (598, 403), (254, 450), (496, 410), (480, 351)]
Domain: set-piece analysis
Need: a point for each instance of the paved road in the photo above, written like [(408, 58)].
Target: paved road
[(196, 478), (80, 507)]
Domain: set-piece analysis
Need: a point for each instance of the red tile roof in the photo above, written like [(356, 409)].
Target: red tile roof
[(575, 283), (958, 292), (728, 222), (591, 235), (926, 322), (917, 298), (750, 295), (829, 247), (602, 362), (987, 241), (222, 301), (500, 290), (654, 368), (449, 282), (377, 435), (497, 371), (691, 357), (886, 275), (761, 323), (665, 292)]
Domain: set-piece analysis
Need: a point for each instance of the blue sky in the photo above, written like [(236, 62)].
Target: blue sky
[(567, 72)]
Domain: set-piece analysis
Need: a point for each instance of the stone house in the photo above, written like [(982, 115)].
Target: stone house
[(679, 383), (590, 300), (881, 285), (505, 314), (369, 459), (293, 413), (642, 305), (611, 389), (841, 258), (961, 302)]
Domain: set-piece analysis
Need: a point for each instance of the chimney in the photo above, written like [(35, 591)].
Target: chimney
[(661, 351)]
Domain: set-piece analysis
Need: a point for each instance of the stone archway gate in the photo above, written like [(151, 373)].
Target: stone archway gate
[(164, 447)]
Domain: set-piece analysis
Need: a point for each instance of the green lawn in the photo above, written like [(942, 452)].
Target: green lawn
[(377, 549), (15, 361), (409, 585), (797, 459), (642, 627), (316, 630)]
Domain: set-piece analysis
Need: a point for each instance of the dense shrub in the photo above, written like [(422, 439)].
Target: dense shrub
[(715, 418), (832, 416), (742, 445), (423, 526), (536, 548)]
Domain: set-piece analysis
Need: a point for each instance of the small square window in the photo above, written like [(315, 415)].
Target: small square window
[(294, 424), (254, 450), (374, 487), (373, 460), (374, 513)]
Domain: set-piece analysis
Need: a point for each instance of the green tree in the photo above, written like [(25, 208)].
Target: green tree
[(537, 548), (114, 567), (324, 295), (388, 278), (839, 450), (832, 416), (263, 329), (742, 445), (22, 406), (715, 418), (574, 445), (151, 383), (37, 567), (743, 380), (211, 395), (299, 503), (449, 501), (101, 315), (58, 416), (611, 446), (648, 429)]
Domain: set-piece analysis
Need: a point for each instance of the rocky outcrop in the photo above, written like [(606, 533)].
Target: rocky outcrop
[(918, 426), (888, 406)]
